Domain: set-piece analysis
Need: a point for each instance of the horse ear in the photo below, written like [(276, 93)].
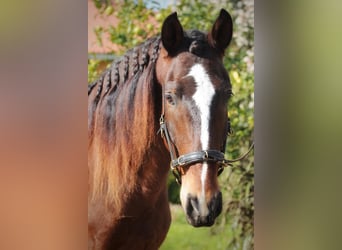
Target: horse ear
[(222, 31), (172, 33)]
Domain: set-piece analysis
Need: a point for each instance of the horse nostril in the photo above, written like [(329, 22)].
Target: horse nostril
[(192, 206), (216, 204)]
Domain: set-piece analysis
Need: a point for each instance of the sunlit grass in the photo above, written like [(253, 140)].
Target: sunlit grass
[(183, 236)]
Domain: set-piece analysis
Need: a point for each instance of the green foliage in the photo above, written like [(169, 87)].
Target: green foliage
[(173, 189), (92, 70), (237, 183), (131, 29), (193, 14)]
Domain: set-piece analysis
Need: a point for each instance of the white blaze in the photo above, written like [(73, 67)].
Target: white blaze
[(203, 98)]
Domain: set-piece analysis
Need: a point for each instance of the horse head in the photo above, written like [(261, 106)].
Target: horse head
[(196, 88)]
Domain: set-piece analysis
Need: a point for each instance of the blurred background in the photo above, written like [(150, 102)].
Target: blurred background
[(298, 121), (116, 26)]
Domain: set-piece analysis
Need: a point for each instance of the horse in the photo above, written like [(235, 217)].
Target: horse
[(162, 104)]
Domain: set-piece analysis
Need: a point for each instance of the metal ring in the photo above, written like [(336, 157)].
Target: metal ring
[(220, 170), (177, 175)]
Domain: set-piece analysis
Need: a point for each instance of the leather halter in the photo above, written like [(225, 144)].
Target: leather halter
[(190, 158), (177, 163)]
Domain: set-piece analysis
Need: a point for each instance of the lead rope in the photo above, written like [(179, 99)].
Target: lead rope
[(228, 162)]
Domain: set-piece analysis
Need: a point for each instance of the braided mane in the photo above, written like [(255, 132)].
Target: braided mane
[(120, 70), (115, 110)]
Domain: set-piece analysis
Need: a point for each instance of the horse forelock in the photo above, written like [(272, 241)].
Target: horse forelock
[(121, 122), (198, 44)]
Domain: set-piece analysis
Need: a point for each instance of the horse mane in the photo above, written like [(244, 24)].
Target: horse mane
[(119, 70), (121, 119)]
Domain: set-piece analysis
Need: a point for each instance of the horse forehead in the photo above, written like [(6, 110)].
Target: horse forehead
[(200, 75), (182, 64), (203, 78), (186, 64)]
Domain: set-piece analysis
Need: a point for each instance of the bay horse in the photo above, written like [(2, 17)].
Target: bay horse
[(163, 103)]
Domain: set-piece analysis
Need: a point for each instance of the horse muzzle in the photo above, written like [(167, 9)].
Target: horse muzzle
[(202, 214)]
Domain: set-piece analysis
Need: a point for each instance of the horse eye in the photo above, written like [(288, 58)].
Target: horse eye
[(169, 98)]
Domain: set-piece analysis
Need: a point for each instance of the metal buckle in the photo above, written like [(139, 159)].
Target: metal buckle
[(178, 161), (161, 128), (206, 155), (161, 120)]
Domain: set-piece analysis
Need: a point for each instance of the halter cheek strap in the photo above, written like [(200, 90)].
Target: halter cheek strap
[(165, 133)]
